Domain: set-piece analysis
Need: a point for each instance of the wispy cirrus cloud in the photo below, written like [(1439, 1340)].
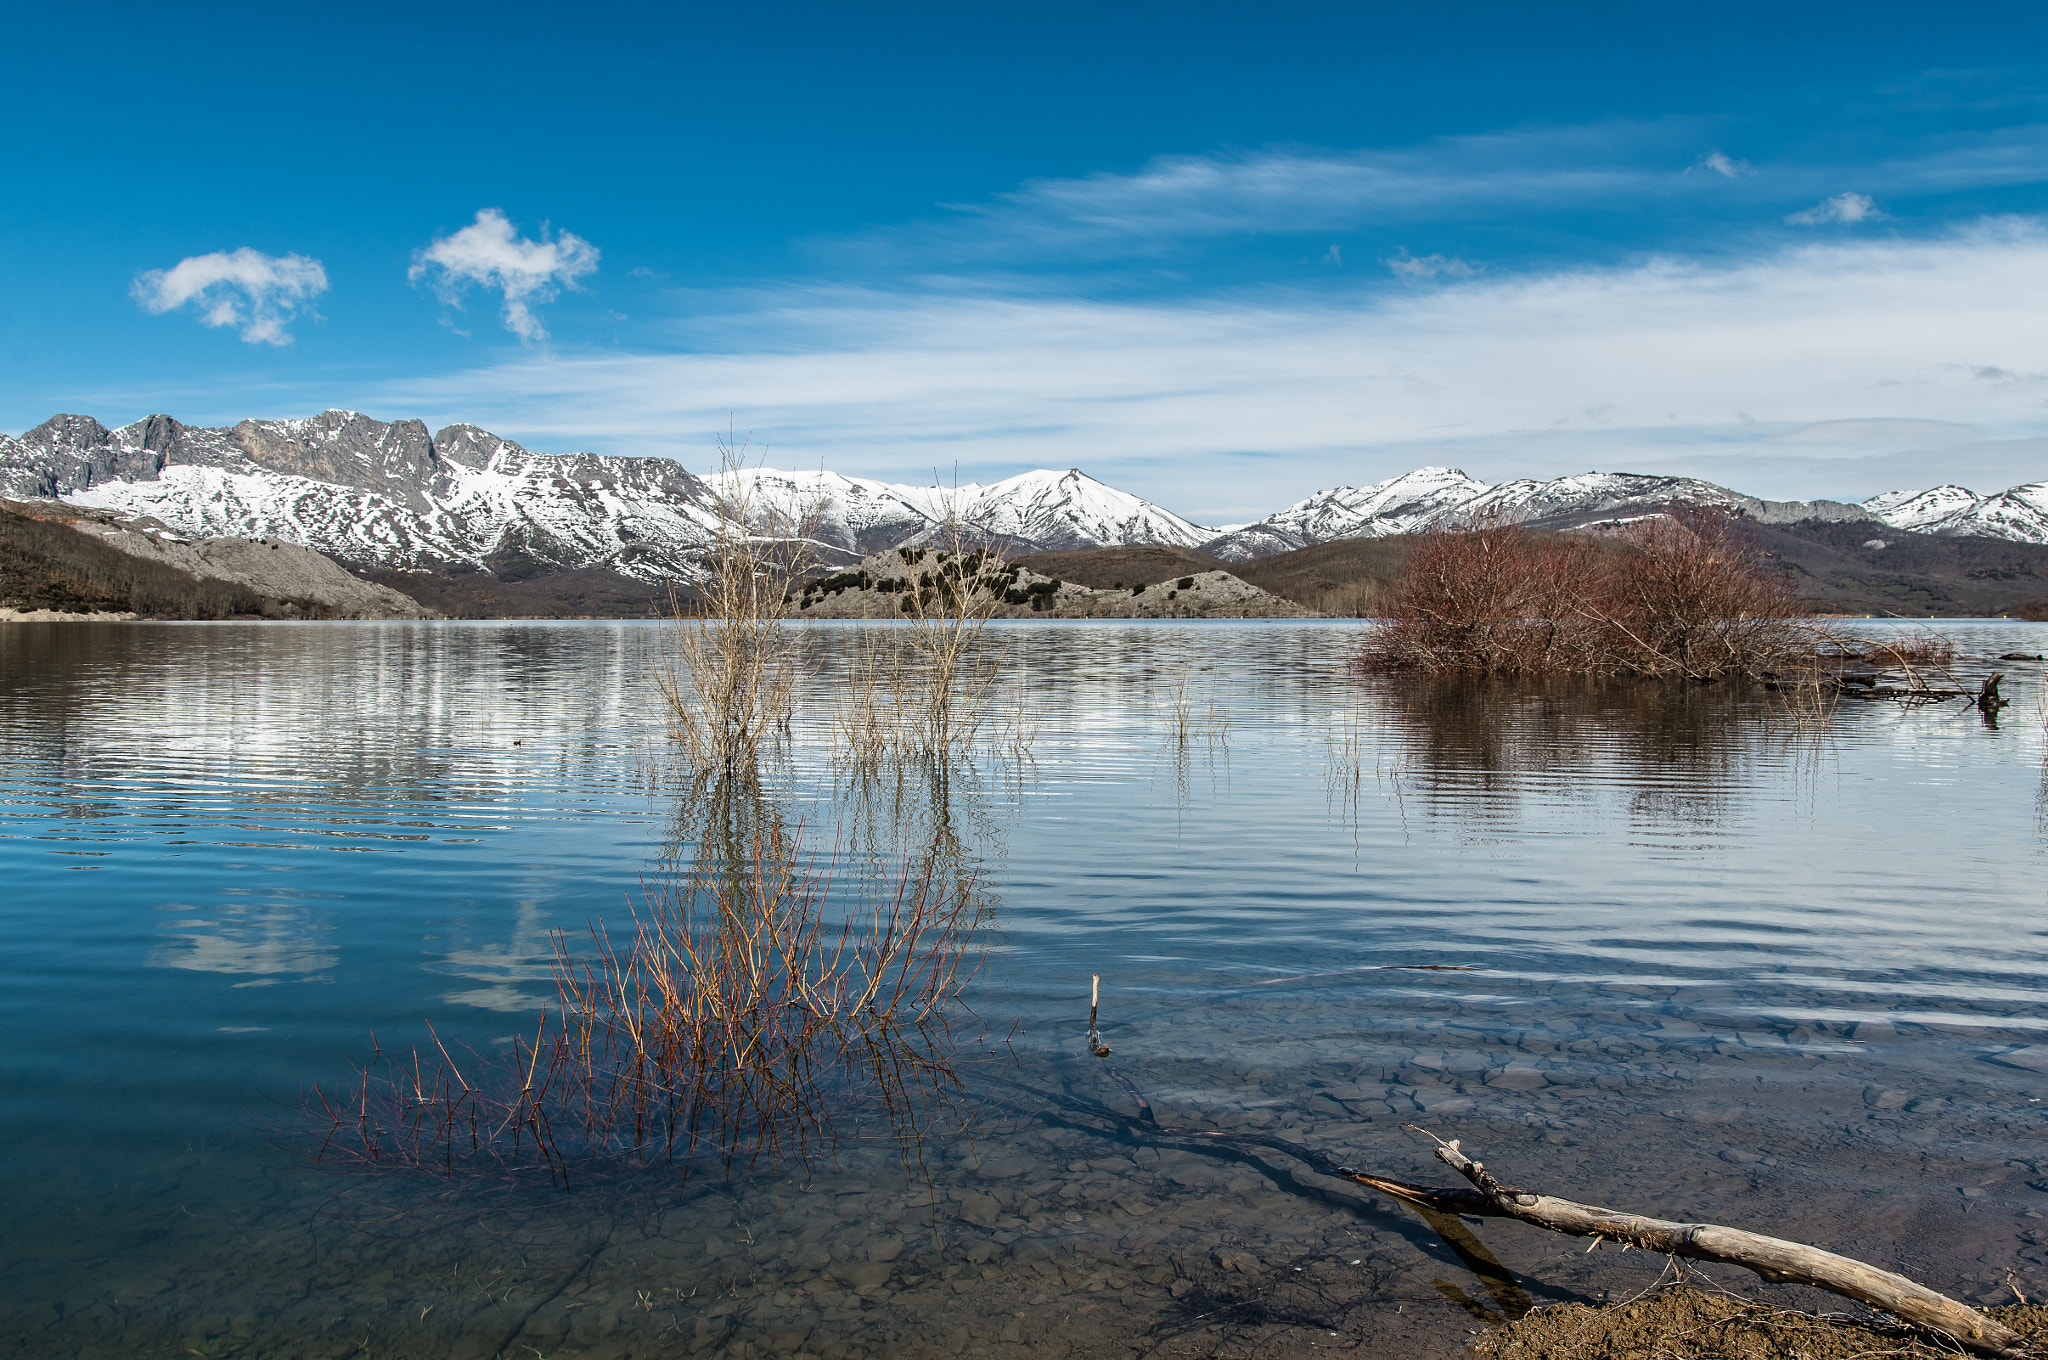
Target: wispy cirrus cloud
[(1537, 373), (257, 294), (1651, 169), (489, 253), (1296, 189)]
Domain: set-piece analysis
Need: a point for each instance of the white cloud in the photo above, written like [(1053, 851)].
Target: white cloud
[(1187, 401), (245, 288), (487, 252), (1849, 207), (1717, 162), (1406, 266), (1494, 177)]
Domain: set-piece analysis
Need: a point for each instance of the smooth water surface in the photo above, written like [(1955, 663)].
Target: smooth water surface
[(1683, 951)]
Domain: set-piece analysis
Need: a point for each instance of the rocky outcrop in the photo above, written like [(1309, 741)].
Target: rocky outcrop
[(878, 589)]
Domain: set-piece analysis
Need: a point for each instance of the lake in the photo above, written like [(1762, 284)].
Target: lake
[(1684, 951)]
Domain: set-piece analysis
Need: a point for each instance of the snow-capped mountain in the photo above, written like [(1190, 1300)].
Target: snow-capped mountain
[(854, 513), (1434, 496), (1072, 510), (1039, 511), (370, 491), (2019, 513), (1398, 505), (392, 494)]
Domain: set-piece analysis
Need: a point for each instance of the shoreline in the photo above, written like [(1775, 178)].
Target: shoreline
[(64, 616)]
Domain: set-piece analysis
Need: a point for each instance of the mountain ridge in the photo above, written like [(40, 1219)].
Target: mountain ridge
[(395, 496)]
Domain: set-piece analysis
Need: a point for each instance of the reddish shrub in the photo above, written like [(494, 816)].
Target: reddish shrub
[(1679, 594)]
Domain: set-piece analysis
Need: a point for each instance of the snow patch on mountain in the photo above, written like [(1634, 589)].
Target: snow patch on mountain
[(2019, 513), (1055, 510), (1399, 505)]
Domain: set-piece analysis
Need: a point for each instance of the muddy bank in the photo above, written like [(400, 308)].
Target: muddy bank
[(1687, 1322)]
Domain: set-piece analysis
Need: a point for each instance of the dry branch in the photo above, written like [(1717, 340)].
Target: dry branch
[(1773, 1258)]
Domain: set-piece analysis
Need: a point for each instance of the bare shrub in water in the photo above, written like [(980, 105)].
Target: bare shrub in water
[(740, 1022), (928, 686), (1920, 647), (949, 596), (1691, 597), (729, 674), (1682, 595), (1489, 597)]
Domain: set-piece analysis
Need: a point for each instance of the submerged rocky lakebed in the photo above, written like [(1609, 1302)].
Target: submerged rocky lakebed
[(1682, 951)]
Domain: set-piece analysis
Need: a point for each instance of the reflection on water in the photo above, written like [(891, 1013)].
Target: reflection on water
[(517, 974), (261, 940), (1714, 960)]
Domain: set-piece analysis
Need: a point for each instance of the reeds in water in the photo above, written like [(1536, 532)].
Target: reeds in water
[(1193, 713), (729, 671), (1919, 647), (928, 685), (742, 1021)]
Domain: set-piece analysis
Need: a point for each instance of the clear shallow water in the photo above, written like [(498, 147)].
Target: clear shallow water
[(1722, 964)]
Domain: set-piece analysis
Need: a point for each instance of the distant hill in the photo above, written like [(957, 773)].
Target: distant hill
[(1871, 569), (85, 562), (1329, 578), (1840, 567), (1141, 564)]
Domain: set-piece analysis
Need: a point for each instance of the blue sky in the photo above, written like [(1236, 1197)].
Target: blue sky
[(1219, 255)]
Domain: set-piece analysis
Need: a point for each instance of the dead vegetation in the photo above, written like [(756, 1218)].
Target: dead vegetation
[(1687, 1321), (923, 683), (1681, 596), (749, 1011), (729, 672)]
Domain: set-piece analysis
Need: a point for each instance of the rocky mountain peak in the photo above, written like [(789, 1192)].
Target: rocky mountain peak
[(69, 434)]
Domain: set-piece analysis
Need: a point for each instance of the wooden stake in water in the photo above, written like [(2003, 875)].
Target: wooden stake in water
[(1095, 1044)]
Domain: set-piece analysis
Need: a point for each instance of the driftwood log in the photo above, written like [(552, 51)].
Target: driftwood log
[(1774, 1259), (1986, 697)]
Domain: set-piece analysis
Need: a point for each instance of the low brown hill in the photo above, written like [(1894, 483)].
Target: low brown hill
[(1911, 575), (1347, 577), (46, 563), (76, 560), (1916, 575), (1117, 568)]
